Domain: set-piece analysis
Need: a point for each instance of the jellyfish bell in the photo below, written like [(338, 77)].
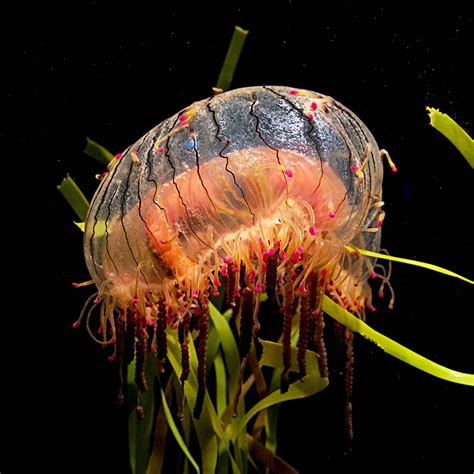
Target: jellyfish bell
[(255, 189)]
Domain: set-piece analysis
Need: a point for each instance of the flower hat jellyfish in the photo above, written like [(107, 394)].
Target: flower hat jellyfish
[(257, 189)]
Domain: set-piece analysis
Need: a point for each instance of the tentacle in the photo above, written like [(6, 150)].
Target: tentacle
[(288, 303), (183, 333), (231, 285), (349, 337), (161, 325), (305, 323), (317, 290), (203, 326), (141, 348)]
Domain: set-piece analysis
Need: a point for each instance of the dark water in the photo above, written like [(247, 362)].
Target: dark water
[(112, 74)]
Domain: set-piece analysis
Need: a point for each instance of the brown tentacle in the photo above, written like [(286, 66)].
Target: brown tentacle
[(203, 326), (317, 290), (141, 348), (246, 322), (349, 337), (288, 305), (183, 333), (231, 285), (161, 326), (305, 324)]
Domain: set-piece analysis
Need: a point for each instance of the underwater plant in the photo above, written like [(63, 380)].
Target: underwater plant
[(262, 193)]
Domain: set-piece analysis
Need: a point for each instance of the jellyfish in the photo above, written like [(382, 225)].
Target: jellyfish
[(260, 189)]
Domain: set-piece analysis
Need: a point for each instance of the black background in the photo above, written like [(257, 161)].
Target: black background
[(112, 73)]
